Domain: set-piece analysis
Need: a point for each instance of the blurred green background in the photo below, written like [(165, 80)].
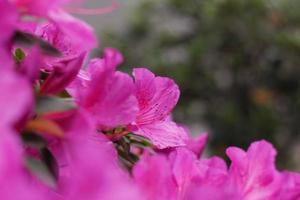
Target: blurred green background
[(236, 62)]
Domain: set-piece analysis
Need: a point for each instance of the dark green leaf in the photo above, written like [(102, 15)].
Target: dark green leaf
[(139, 140), (50, 162), (19, 55), (51, 104), (40, 169), (29, 39), (33, 140)]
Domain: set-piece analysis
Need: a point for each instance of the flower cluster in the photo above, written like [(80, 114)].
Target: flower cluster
[(77, 129)]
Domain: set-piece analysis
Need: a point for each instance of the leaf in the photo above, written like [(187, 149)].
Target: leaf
[(139, 140), (19, 55), (51, 104), (29, 39), (40, 169), (50, 162), (33, 140), (40, 125)]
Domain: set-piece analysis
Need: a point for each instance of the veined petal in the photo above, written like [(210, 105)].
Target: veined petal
[(164, 134), (157, 96)]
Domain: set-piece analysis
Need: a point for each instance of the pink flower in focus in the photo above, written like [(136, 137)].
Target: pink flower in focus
[(253, 173), (157, 96), (108, 95)]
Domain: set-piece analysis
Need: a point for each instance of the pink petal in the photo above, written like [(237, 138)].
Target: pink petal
[(197, 144), (254, 171), (157, 96), (291, 186), (104, 93), (80, 33), (118, 105), (154, 178), (184, 168), (17, 98), (164, 134), (63, 74)]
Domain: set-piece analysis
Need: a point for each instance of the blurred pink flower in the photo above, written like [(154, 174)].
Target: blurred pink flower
[(30, 65), (88, 164), (157, 96), (63, 69), (37, 7), (80, 33), (16, 99), (290, 189), (62, 74), (197, 144), (253, 172), (15, 181), (154, 178)]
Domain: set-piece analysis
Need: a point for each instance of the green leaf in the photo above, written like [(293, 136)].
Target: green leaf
[(139, 140), (50, 162), (40, 169), (19, 55), (51, 104), (33, 140), (29, 39)]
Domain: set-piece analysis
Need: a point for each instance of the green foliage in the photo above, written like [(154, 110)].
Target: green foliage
[(237, 61)]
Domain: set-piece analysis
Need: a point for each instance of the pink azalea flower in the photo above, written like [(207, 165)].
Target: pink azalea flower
[(106, 94), (253, 172), (157, 96)]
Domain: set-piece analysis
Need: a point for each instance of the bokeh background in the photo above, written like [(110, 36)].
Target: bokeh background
[(237, 63)]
